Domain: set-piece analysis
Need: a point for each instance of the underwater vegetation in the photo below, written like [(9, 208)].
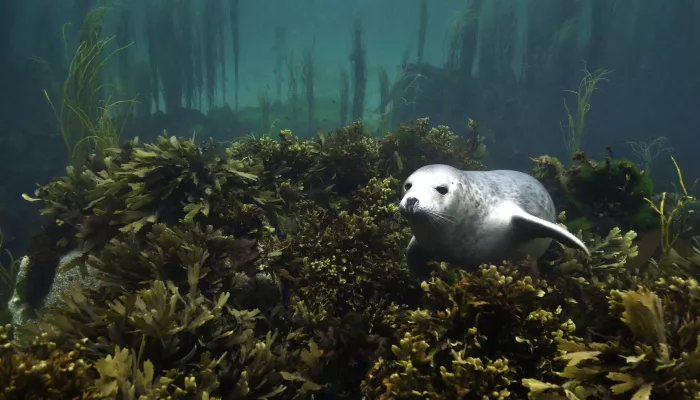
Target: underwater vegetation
[(274, 268), (506, 64), (605, 193), (9, 267), (84, 113)]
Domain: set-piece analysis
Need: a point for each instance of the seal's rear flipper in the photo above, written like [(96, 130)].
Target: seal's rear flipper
[(542, 228)]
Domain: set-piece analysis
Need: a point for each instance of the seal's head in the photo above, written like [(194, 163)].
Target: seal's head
[(431, 194)]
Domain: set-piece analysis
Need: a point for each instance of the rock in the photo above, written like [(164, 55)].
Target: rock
[(23, 313)]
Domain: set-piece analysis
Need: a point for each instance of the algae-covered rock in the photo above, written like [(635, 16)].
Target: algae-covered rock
[(26, 302), (275, 268), (288, 228)]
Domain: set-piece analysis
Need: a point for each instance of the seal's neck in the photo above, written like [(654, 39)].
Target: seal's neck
[(426, 233)]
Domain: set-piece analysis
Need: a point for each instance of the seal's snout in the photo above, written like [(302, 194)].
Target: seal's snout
[(410, 205)]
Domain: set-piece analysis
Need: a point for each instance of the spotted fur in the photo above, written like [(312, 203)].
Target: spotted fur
[(483, 217)]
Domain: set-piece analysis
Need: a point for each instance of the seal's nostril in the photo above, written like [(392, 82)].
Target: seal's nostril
[(411, 201)]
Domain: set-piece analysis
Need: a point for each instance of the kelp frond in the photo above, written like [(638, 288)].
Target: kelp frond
[(577, 120), (669, 232), (8, 272), (83, 118)]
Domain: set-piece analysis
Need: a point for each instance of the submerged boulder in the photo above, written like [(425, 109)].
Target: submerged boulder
[(24, 306)]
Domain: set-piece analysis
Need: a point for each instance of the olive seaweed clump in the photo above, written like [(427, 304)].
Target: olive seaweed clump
[(274, 268), (599, 195)]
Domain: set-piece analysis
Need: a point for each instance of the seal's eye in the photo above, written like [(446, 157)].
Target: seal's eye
[(442, 190), (407, 186)]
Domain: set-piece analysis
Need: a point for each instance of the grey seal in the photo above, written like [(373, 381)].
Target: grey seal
[(471, 218)]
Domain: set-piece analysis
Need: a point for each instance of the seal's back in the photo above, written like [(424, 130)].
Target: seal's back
[(518, 187)]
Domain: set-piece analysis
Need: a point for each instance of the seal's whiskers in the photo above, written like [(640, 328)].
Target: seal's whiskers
[(440, 217)]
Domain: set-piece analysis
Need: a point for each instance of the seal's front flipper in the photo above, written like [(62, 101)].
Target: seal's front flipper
[(417, 260), (542, 228)]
